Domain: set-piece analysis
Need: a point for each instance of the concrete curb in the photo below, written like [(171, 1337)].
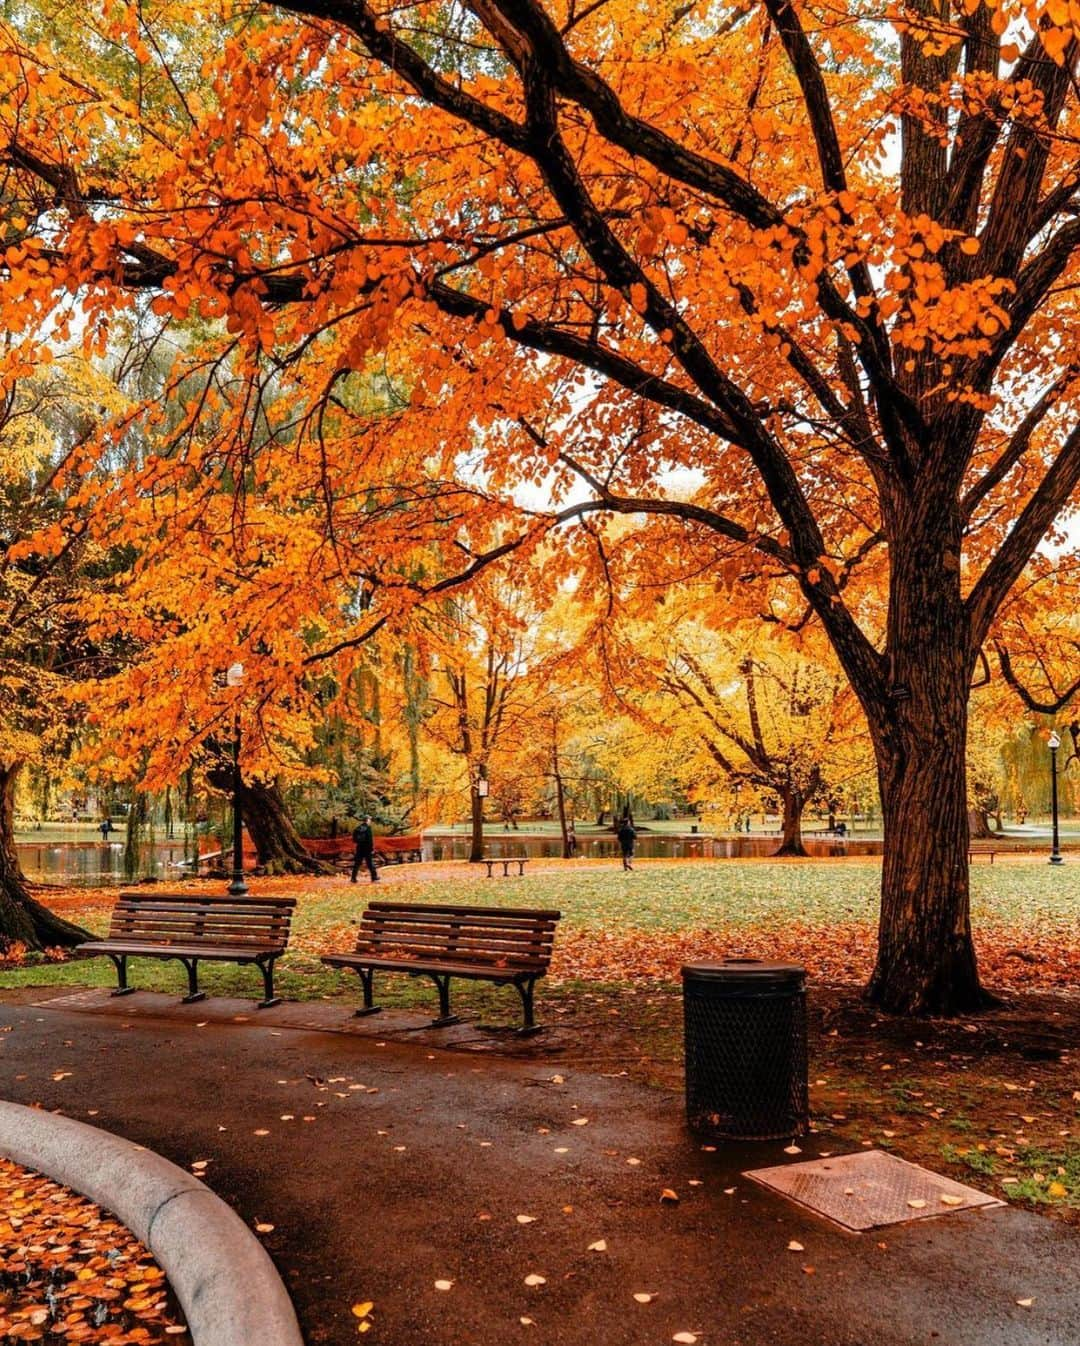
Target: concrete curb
[(228, 1287)]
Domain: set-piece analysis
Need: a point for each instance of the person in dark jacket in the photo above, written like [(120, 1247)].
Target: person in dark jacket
[(365, 850), (627, 836)]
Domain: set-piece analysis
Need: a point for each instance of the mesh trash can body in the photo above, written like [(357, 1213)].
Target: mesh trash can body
[(746, 1057)]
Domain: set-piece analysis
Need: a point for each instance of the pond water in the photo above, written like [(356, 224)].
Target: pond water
[(96, 863), (648, 847)]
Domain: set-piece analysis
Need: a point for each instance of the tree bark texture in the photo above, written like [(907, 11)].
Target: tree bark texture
[(926, 956), (792, 804), (22, 919)]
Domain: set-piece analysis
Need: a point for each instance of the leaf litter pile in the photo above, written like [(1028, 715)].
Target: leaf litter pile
[(71, 1273)]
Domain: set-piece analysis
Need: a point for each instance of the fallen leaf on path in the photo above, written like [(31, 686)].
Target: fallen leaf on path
[(264, 1228), (917, 1203), (1025, 1303), (526, 1219), (600, 1246), (533, 1279), (444, 1285), (580, 1121), (362, 1310), (643, 1298), (794, 1247), (685, 1338), (668, 1194), (792, 1149), (947, 1200)]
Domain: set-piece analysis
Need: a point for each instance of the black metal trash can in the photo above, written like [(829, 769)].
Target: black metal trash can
[(746, 1057)]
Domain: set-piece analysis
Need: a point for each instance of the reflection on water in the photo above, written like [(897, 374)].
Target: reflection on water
[(648, 847), (94, 862)]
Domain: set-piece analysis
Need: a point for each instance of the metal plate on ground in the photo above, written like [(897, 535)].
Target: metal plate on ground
[(869, 1189)]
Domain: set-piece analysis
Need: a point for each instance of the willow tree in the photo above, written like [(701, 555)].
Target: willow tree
[(829, 270)]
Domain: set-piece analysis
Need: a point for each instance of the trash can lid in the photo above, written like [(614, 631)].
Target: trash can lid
[(747, 971)]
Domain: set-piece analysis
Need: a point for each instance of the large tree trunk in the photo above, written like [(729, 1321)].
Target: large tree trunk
[(278, 847), (926, 957), (22, 920), (476, 846), (791, 842)]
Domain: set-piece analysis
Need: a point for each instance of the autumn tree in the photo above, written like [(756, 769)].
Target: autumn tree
[(44, 644), (769, 719), (831, 274)]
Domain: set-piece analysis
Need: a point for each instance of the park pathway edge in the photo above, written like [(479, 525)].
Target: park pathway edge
[(227, 1285)]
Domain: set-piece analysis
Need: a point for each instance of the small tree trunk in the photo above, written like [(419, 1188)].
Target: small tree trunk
[(476, 846), (560, 799), (278, 847), (22, 919), (791, 842), (979, 825)]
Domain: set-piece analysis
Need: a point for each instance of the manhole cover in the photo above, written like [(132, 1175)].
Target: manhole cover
[(871, 1188)]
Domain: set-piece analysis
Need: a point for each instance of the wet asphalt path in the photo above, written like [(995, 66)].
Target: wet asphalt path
[(417, 1162)]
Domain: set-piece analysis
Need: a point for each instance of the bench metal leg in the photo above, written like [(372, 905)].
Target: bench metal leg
[(194, 994), (490, 867), (122, 988), (445, 1019), (367, 977), (525, 989), (269, 998)]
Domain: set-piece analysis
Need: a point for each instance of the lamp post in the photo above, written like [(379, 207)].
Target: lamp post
[(1053, 742), (237, 887)]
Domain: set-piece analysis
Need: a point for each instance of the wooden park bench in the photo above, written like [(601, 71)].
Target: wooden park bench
[(510, 946), (981, 850), (194, 929), (506, 861)]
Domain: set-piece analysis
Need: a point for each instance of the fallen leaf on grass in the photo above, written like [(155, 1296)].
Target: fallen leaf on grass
[(580, 1121), (792, 1149), (261, 1132), (362, 1310), (527, 1322), (1025, 1303)]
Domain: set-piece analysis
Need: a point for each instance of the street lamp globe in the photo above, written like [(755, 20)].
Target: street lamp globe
[(1053, 742)]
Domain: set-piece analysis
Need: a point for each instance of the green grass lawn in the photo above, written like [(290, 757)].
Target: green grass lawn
[(596, 897)]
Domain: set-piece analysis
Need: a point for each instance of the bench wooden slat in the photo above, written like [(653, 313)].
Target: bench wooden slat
[(422, 909)]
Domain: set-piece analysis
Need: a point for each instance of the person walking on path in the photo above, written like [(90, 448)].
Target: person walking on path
[(105, 827), (627, 837), (571, 842), (365, 850)]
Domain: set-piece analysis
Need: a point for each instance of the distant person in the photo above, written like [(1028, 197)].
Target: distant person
[(364, 839), (571, 842), (841, 829), (627, 836), (105, 827)]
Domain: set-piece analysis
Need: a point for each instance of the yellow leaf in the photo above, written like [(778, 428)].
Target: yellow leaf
[(362, 1310)]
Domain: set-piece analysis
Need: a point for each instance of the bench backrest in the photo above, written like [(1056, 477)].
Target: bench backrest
[(183, 918), (516, 938)]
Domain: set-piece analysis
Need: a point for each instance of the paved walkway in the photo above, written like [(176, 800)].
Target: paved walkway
[(387, 1168)]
